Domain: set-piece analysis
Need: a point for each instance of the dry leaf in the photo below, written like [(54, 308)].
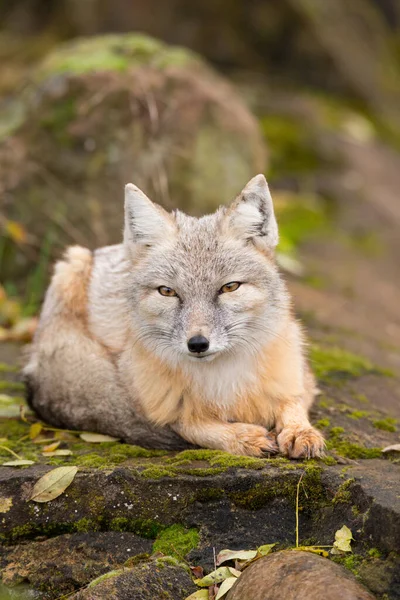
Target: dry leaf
[(18, 463), (394, 448), (225, 555), (199, 595), (266, 549), (51, 447), (35, 430), (58, 453), (225, 587), (343, 538), (53, 484), (97, 438), (215, 577), (197, 572)]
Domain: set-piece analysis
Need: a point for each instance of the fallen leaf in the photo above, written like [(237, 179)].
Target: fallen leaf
[(18, 463), (51, 447), (225, 587), (225, 555), (35, 430), (266, 549), (343, 537), (198, 572), (53, 484), (394, 448), (16, 232), (199, 595), (215, 577), (234, 572), (313, 549), (97, 438), (58, 453)]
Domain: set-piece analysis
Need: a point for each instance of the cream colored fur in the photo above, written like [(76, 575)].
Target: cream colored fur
[(119, 347)]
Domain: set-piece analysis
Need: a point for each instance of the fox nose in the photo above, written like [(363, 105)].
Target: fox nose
[(198, 343)]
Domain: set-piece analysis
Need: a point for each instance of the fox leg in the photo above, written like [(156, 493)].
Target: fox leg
[(236, 438), (297, 438)]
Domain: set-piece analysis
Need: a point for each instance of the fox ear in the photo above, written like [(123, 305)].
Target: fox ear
[(252, 214), (146, 223)]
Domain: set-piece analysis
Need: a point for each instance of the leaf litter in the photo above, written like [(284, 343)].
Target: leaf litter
[(53, 484)]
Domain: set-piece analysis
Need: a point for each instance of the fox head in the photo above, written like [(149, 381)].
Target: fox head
[(201, 289)]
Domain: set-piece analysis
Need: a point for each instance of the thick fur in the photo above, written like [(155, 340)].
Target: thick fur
[(111, 355)]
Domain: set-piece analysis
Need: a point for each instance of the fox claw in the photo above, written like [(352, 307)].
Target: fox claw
[(296, 442)]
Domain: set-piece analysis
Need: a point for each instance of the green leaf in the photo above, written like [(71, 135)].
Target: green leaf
[(266, 549), (225, 587), (53, 484), (225, 555), (343, 538), (217, 576), (97, 438), (18, 463)]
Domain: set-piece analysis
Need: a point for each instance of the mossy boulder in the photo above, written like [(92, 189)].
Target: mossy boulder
[(103, 111)]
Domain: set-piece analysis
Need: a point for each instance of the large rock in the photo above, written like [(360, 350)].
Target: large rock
[(296, 576), (103, 111)]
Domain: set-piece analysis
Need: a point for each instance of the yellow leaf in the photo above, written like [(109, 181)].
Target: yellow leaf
[(199, 595), (51, 447), (266, 549), (53, 484), (57, 453), (225, 587), (343, 538), (313, 549), (35, 430), (16, 232)]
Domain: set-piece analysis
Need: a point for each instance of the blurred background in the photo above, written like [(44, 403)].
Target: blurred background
[(189, 100)]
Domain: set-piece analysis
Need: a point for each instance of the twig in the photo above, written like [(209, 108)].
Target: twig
[(11, 452)]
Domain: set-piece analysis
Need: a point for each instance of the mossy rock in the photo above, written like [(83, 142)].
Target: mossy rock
[(104, 111)]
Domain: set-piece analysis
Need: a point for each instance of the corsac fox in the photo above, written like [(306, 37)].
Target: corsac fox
[(181, 335)]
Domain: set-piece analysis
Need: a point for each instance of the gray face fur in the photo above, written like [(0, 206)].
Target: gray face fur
[(196, 258)]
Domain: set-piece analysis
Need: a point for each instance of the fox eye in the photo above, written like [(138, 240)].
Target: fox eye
[(230, 287), (166, 291)]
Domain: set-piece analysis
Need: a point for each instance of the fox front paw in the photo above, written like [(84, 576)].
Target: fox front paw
[(252, 440), (300, 442)]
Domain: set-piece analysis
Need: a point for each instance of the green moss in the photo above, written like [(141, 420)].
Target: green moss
[(374, 552), (11, 386), (86, 525), (293, 147), (198, 454), (351, 562), (332, 363), (114, 53), (209, 494), (176, 541), (360, 397), (358, 414), (343, 495), (337, 443), (106, 576), (387, 424), (146, 528), (202, 472), (6, 368), (286, 487), (322, 423), (157, 472)]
